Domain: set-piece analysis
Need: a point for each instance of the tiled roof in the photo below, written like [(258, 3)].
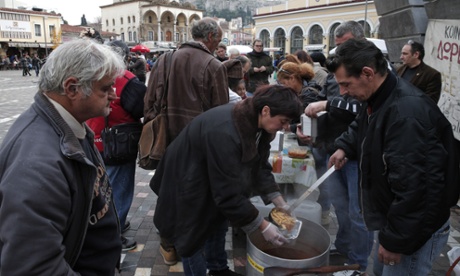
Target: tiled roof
[(30, 12), (65, 28)]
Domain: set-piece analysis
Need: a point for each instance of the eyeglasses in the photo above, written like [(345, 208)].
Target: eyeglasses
[(258, 45)]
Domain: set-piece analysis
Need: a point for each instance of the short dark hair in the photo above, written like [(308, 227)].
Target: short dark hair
[(281, 100), (318, 57), (138, 53), (354, 54), (417, 47)]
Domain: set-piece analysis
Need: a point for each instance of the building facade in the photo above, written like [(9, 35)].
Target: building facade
[(28, 31), (153, 23), (310, 24)]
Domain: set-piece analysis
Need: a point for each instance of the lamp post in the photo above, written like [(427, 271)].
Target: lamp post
[(365, 19), (44, 33)]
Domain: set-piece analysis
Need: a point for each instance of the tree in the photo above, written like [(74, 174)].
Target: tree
[(83, 21)]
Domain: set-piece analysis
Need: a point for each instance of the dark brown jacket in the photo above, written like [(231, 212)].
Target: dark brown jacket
[(427, 79), (197, 82)]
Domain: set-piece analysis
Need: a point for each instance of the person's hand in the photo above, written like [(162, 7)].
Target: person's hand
[(262, 68), (280, 203), (312, 109), (338, 159), (387, 257), (256, 69), (304, 139), (273, 235)]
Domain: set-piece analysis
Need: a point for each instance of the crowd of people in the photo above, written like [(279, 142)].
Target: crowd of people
[(394, 152)]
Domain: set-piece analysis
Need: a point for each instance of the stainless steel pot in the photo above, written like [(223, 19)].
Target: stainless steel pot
[(310, 249)]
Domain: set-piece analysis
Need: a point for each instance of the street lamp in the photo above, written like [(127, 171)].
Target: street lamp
[(44, 33)]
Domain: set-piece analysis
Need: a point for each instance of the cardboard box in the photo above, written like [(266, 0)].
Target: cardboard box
[(310, 125)]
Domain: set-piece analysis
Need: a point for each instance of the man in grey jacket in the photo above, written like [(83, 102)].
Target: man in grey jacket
[(56, 209)]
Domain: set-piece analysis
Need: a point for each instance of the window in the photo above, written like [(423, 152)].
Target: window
[(150, 19), (150, 35), (129, 19), (296, 39), (130, 36), (135, 36), (280, 39), (38, 30), (264, 36), (316, 35), (121, 20), (134, 19), (122, 36), (52, 30), (113, 22), (332, 35), (107, 22)]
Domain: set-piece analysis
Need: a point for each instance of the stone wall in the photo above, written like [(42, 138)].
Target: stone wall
[(403, 20)]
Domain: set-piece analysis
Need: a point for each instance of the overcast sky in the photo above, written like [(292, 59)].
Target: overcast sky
[(72, 11)]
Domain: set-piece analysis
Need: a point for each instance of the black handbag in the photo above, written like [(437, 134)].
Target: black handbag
[(120, 142)]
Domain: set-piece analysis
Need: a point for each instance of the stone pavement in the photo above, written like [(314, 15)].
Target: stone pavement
[(146, 259)]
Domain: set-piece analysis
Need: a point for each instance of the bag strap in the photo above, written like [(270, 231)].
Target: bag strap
[(106, 119), (164, 97), (451, 268)]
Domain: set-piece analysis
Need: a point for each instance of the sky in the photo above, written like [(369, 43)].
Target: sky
[(72, 11)]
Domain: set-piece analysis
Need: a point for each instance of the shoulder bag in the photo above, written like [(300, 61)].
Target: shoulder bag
[(155, 138), (120, 142)]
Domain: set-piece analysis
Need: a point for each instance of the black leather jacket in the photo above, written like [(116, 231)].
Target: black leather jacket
[(408, 165)]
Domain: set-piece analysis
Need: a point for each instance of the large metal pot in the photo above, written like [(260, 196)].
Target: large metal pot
[(310, 249)]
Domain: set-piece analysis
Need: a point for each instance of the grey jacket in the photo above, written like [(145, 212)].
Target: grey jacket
[(46, 188)]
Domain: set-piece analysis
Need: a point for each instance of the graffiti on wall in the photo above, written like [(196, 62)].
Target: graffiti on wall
[(442, 48)]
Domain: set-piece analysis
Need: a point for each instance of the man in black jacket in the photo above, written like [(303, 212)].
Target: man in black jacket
[(353, 239), (408, 173)]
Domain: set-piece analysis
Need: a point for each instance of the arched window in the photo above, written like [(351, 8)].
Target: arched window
[(150, 19), (265, 37), (113, 22), (332, 35), (107, 22), (296, 39), (316, 35), (134, 19), (280, 39), (121, 20), (129, 19), (366, 27)]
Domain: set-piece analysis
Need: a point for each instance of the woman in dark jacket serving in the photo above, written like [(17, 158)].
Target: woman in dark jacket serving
[(212, 168)]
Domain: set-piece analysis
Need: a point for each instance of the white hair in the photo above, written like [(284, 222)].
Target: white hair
[(84, 59)]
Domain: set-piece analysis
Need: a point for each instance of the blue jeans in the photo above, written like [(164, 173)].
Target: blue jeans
[(420, 262), (353, 239), (320, 157), (121, 179), (211, 256)]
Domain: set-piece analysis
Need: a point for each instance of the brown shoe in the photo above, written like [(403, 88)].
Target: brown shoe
[(169, 255)]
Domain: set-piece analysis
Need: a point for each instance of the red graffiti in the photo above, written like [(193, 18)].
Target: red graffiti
[(448, 51)]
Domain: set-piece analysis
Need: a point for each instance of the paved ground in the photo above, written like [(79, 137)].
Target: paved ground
[(16, 94)]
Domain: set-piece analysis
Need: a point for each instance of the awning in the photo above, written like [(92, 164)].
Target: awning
[(28, 44)]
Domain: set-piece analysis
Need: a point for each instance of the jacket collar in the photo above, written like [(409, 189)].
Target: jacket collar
[(196, 44), (246, 123), (70, 145), (382, 93)]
